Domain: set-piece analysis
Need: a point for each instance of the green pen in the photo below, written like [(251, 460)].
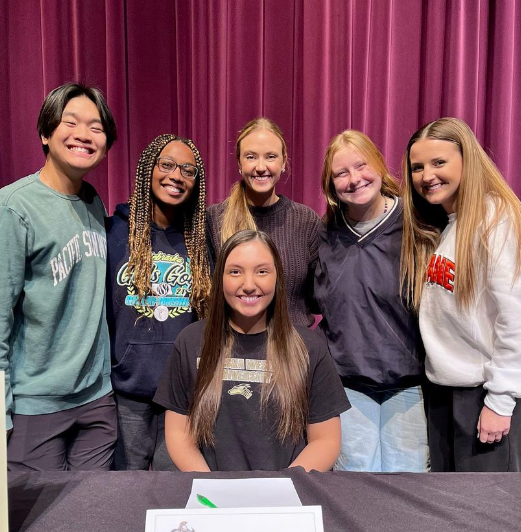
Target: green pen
[(205, 502)]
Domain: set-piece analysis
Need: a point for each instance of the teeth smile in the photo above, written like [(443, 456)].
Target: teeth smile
[(172, 189), (249, 299), (261, 177), (359, 188), (433, 187), (80, 149)]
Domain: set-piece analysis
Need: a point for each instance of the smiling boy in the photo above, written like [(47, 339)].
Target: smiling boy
[(54, 345)]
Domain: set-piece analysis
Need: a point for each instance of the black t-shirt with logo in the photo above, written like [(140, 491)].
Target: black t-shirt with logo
[(246, 437)]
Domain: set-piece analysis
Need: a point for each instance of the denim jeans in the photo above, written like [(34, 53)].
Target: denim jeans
[(141, 436), (386, 432)]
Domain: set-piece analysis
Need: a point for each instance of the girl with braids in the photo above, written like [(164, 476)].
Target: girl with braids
[(372, 337), (158, 282), (253, 204), (461, 264), (245, 389)]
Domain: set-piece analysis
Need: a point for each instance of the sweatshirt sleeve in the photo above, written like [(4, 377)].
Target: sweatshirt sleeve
[(13, 250), (503, 371)]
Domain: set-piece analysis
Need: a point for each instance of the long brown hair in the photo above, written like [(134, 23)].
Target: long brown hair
[(362, 144), (423, 222), (286, 356), (141, 215), (237, 215)]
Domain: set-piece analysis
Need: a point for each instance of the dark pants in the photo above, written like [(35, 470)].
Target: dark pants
[(80, 438), (141, 436), (452, 419)]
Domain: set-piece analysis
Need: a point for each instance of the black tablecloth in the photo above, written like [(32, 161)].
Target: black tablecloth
[(351, 502)]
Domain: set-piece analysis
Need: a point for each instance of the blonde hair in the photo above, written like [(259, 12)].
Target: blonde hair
[(362, 144), (141, 214), (423, 222), (237, 215), (286, 356)]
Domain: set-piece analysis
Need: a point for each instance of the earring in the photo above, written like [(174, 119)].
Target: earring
[(283, 170)]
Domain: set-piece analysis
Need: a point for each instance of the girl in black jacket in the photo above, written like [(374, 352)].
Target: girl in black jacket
[(373, 339)]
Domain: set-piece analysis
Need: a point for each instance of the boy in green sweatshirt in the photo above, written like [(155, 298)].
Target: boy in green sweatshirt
[(54, 345)]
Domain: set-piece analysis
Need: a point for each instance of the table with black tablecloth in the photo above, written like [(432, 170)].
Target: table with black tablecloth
[(351, 502)]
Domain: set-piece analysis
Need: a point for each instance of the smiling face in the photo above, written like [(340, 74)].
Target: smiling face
[(356, 184), (78, 144), (249, 282), (436, 167), (171, 190), (261, 162)]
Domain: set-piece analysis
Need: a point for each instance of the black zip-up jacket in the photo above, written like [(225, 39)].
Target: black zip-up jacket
[(373, 339)]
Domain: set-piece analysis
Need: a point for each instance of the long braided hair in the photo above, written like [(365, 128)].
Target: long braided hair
[(141, 215)]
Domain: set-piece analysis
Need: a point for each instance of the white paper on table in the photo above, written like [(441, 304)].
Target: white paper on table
[(245, 492), (289, 519), (3, 459)]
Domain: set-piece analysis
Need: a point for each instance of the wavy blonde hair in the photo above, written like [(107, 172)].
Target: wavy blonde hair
[(423, 222), (237, 215), (362, 144)]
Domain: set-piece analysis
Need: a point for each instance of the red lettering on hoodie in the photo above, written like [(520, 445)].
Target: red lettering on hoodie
[(441, 271)]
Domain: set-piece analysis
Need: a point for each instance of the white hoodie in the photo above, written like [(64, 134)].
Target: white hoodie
[(482, 344)]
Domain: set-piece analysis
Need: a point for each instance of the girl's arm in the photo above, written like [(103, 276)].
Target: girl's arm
[(503, 372), (323, 446), (181, 447)]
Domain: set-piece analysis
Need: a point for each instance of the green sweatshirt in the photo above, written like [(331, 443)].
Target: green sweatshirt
[(54, 344)]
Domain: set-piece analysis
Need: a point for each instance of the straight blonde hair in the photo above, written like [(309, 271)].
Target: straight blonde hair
[(423, 222)]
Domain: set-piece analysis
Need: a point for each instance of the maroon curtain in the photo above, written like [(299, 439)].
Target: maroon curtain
[(202, 69)]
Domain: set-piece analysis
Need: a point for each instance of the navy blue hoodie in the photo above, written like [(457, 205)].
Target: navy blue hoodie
[(142, 336)]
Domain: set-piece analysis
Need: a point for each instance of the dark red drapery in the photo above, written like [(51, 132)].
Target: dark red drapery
[(202, 69)]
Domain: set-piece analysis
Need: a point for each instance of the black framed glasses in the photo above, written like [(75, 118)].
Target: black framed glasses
[(168, 166)]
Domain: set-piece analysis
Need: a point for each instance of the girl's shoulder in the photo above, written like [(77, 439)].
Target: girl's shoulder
[(121, 215), (300, 208), (216, 210), (217, 207), (116, 227), (496, 212), (314, 342), (191, 335)]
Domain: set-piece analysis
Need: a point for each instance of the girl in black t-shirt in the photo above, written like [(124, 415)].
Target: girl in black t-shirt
[(245, 389)]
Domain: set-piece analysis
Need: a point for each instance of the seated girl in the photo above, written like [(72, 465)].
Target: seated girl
[(245, 389)]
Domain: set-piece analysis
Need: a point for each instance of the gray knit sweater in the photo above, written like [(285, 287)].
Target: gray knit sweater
[(294, 229)]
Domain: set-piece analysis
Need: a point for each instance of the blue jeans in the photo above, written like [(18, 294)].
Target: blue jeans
[(141, 436), (385, 433)]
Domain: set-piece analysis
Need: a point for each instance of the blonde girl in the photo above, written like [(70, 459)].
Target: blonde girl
[(461, 260), (254, 204), (373, 339)]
